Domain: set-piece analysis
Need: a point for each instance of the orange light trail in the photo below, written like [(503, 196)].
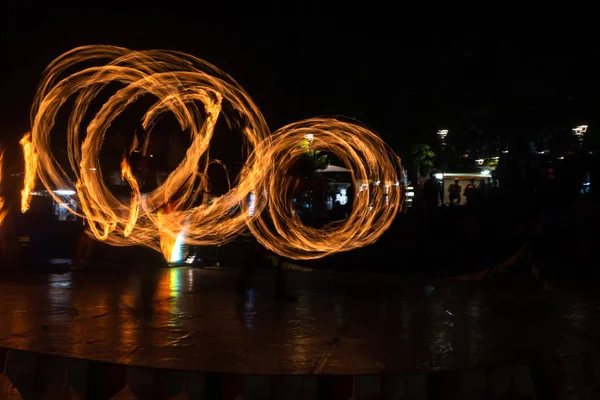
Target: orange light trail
[(368, 158), (31, 164), (136, 197), (3, 210), (198, 94)]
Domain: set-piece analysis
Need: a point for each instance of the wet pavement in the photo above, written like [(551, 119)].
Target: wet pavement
[(190, 318)]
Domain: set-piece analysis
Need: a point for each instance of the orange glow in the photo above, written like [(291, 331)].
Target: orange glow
[(368, 158), (167, 241), (180, 83), (3, 210), (31, 162), (135, 197)]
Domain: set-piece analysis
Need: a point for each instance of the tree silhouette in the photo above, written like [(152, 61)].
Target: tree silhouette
[(423, 158)]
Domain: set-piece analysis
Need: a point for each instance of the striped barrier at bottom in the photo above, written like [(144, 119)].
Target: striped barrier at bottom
[(29, 375)]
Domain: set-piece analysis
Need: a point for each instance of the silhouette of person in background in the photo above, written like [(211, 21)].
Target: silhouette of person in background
[(470, 190), (337, 212), (432, 192), (347, 208), (483, 187), (84, 248), (254, 257), (454, 193), (9, 247), (432, 199)]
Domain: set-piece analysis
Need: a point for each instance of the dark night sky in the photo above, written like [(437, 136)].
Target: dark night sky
[(404, 78)]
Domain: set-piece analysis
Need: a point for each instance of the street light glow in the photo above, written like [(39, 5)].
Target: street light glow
[(442, 133), (579, 130), (63, 192)]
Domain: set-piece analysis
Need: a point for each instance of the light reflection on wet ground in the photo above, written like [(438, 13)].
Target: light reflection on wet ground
[(339, 323)]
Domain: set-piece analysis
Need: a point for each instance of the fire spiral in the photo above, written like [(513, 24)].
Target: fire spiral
[(198, 95)]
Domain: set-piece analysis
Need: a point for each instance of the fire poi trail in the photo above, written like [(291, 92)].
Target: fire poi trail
[(198, 94), (3, 210)]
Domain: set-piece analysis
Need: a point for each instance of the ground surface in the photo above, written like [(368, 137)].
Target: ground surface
[(339, 323)]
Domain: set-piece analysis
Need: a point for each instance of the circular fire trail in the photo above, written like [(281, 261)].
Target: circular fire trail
[(198, 94)]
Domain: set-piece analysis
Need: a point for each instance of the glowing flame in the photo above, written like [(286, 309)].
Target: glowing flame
[(170, 244), (3, 211), (167, 245), (31, 164), (167, 240), (135, 197), (180, 83), (176, 254)]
